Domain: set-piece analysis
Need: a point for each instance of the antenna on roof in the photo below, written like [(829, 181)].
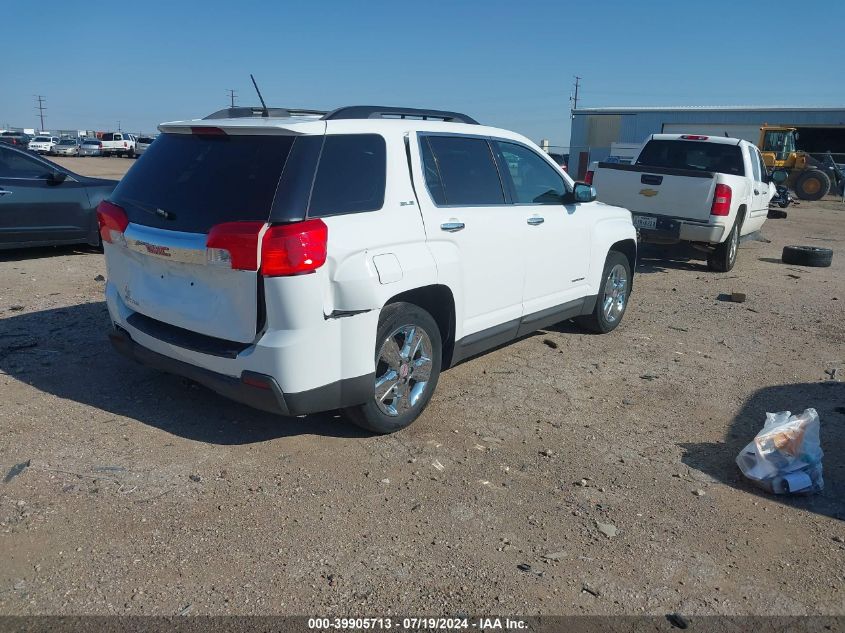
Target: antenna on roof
[(264, 113)]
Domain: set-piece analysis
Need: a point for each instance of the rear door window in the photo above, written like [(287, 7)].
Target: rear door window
[(190, 183), (693, 155), (351, 175), (467, 171)]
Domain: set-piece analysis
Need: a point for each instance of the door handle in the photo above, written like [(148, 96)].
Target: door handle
[(452, 227), (756, 193), (536, 220), (5, 192)]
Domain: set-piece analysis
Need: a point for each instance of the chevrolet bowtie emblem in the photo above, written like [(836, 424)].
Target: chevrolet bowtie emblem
[(648, 192)]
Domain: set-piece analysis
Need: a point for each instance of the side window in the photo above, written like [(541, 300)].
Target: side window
[(755, 163), (763, 169), (351, 175), (15, 165), (534, 180), (432, 174), (467, 171)]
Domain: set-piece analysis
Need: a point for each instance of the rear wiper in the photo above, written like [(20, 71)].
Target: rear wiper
[(152, 210)]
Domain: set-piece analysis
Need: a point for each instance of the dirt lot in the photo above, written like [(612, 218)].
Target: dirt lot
[(144, 494)]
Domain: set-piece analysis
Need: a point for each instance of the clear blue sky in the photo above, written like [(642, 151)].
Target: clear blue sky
[(506, 63)]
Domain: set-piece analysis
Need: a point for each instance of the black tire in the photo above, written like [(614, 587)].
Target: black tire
[(723, 257), (599, 320), (777, 214), (807, 256), (394, 318), (812, 184)]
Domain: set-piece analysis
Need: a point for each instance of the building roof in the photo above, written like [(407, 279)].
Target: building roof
[(698, 108)]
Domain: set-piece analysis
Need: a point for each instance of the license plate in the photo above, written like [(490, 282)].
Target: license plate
[(645, 222)]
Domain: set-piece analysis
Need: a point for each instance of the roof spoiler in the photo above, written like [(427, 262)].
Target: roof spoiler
[(249, 112)]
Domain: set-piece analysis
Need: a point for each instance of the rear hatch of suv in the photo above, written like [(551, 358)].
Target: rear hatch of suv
[(185, 222)]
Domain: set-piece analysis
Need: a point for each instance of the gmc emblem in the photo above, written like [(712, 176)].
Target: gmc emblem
[(154, 249)]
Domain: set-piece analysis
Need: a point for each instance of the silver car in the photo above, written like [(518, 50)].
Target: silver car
[(141, 144), (91, 147), (66, 147)]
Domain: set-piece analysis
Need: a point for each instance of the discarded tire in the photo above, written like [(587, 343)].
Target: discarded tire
[(777, 214), (807, 256)]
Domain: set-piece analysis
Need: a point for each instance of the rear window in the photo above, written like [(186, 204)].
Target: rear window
[(109, 136), (145, 139), (90, 142), (694, 155), (190, 183), (350, 176), (461, 171)]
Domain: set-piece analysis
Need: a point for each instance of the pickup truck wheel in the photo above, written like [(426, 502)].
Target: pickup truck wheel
[(723, 257), (613, 296), (408, 358)]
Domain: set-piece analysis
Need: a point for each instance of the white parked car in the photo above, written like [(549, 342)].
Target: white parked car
[(708, 190), (141, 144), (313, 263), (118, 144), (42, 144)]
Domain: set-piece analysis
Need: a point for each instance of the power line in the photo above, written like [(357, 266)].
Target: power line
[(41, 100), (232, 94)]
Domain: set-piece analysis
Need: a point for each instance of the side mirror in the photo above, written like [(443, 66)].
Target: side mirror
[(56, 177), (779, 176), (582, 192)]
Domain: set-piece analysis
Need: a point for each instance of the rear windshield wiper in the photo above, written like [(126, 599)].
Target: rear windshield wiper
[(152, 209)]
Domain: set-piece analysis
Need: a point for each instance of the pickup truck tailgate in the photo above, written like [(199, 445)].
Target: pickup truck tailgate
[(679, 193)]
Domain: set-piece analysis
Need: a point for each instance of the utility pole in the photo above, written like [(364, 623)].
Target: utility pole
[(574, 99), (118, 125), (232, 96), (41, 100)]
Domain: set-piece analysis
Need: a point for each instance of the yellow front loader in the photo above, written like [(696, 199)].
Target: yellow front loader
[(807, 176)]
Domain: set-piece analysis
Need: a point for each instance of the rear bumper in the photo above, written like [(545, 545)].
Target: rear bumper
[(673, 229), (268, 397), (254, 389)]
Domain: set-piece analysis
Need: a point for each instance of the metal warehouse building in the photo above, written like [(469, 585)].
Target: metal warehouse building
[(595, 129)]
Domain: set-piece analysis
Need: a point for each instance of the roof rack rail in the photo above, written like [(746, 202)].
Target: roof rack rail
[(385, 112), (248, 112)]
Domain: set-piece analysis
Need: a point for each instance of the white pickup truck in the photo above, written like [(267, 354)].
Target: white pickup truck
[(118, 144), (708, 190)]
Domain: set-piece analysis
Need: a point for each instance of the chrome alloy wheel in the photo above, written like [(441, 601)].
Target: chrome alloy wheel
[(734, 245), (615, 293), (403, 369)]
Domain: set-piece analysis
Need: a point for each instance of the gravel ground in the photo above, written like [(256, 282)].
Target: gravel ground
[(566, 473)]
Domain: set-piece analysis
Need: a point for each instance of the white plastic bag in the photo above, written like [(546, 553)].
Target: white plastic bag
[(786, 455)]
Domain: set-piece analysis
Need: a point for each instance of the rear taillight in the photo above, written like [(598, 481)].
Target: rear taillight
[(721, 201), (234, 245), (112, 221), (100, 145), (294, 249), (589, 177), (281, 250)]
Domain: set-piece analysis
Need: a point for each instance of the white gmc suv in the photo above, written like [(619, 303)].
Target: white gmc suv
[(299, 261)]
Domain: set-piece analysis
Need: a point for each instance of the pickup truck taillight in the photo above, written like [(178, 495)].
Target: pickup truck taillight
[(113, 221), (284, 249), (721, 201), (588, 178)]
